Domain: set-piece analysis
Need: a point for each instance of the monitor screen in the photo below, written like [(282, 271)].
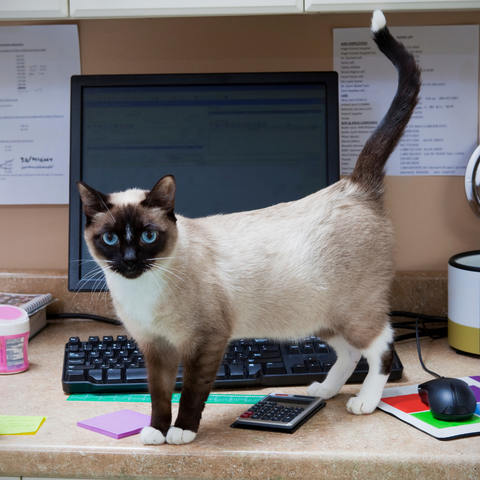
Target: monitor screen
[(273, 135)]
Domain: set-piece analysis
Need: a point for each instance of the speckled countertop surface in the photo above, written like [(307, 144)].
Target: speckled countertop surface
[(332, 445)]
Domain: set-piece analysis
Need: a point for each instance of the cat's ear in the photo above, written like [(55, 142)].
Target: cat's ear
[(162, 196), (93, 201)]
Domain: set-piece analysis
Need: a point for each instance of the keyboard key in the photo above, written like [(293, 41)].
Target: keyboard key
[(270, 351), (308, 348), (76, 361), (95, 375), (114, 375), (136, 375), (222, 372), (275, 368), (299, 368), (294, 350), (76, 355), (323, 348), (254, 370), (237, 371), (75, 375)]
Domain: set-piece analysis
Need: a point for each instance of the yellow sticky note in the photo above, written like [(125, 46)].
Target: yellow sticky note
[(20, 424)]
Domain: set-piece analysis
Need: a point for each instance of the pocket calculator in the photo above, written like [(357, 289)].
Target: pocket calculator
[(279, 412)]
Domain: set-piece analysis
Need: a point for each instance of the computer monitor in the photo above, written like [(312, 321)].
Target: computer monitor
[(273, 135)]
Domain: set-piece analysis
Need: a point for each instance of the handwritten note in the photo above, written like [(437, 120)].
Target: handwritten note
[(442, 132), (37, 63), (20, 425)]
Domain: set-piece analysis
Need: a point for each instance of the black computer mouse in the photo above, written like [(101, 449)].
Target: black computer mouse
[(449, 399)]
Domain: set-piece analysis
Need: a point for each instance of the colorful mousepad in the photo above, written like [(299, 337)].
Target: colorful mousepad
[(405, 404)]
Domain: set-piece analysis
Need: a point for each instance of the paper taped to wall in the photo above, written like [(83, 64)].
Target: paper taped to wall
[(37, 63), (442, 132)]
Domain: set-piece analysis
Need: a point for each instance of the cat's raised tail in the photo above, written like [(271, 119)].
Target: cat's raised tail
[(370, 167)]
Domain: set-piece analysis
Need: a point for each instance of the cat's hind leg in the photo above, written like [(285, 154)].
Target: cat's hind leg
[(347, 359), (379, 356)]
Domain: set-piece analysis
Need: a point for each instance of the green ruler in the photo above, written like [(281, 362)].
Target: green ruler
[(145, 398)]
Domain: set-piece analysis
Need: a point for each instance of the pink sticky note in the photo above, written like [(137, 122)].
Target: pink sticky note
[(117, 424)]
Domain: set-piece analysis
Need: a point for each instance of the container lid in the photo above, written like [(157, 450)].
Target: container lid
[(466, 261), (13, 320)]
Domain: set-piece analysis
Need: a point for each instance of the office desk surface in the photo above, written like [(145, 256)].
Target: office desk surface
[(333, 444)]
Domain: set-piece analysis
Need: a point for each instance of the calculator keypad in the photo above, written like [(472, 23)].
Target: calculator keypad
[(272, 411)]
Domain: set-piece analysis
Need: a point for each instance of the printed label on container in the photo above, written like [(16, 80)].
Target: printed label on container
[(13, 353)]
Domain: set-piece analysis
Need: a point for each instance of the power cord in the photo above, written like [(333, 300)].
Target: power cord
[(83, 316), (430, 332)]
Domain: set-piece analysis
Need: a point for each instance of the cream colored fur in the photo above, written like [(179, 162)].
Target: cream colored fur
[(322, 265)]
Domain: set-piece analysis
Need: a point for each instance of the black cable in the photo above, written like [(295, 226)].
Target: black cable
[(430, 318), (434, 333), (420, 353), (83, 316)]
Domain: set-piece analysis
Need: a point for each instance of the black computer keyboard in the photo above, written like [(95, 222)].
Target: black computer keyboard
[(117, 365)]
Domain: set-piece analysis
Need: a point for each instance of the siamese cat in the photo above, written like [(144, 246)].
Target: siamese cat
[(321, 265)]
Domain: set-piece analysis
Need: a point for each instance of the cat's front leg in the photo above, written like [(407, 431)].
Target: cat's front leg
[(162, 362), (199, 372)]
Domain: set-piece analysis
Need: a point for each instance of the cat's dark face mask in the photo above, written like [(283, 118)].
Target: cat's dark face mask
[(130, 237)]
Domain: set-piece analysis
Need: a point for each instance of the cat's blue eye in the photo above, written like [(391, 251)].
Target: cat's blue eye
[(110, 238), (149, 236)]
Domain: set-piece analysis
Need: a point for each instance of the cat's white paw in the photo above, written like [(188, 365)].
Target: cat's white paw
[(361, 406), (151, 436), (317, 389), (178, 436)]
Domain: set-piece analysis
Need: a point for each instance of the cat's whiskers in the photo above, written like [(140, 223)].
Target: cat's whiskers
[(173, 269), (156, 266), (86, 278), (156, 279)]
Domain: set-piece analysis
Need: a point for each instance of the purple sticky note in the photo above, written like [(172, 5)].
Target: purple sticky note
[(117, 424)]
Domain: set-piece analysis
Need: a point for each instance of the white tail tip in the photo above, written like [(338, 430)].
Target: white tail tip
[(378, 20)]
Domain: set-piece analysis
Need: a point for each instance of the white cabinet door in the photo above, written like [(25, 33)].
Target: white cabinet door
[(10, 9), (152, 8), (368, 6)]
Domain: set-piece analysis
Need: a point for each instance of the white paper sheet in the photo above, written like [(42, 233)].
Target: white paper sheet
[(442, 133), (36, 65)]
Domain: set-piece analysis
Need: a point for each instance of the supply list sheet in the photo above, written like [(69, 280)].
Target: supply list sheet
[(37, 63), (442, 133)]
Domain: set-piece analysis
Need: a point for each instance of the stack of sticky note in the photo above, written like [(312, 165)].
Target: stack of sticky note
[(20, 424)]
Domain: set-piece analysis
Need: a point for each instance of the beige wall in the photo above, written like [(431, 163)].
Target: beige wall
[(431, 216)]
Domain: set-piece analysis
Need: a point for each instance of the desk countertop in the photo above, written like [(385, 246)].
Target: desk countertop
[(333, 444)]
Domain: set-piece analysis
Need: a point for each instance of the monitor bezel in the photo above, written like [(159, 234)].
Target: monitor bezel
[(79, 82)]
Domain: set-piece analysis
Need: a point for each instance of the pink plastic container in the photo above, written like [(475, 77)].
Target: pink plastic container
[(14, 331)]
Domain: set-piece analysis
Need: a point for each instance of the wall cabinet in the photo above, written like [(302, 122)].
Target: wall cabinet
[(151, 8), (16, 9), (38, 9), (362, 6)]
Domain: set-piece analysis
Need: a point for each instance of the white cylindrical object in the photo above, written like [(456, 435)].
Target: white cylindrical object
[(14, 331), (464, 302)]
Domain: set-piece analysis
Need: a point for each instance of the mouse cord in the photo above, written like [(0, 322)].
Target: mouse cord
[(420, 352)]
